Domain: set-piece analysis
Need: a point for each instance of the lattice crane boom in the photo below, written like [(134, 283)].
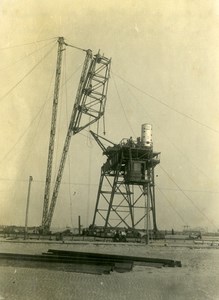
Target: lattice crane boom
[(89, 107), (61, 44)]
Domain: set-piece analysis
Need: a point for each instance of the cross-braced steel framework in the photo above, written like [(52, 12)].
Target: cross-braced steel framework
[(126, 193), (88, 108)]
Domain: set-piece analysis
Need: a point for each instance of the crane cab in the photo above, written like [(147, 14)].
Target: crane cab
[(135, 172)]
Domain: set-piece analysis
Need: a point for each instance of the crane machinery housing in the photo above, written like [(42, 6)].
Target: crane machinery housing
[(88, 108)]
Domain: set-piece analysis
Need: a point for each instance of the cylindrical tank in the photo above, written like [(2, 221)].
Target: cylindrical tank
[(146, 135)]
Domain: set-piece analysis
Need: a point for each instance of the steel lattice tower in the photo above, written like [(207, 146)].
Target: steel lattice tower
[(126, 193)]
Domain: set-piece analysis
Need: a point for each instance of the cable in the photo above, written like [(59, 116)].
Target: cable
[(168, 106), (25, 131), (122, 105), (171, 205), (192, 191), (20, 59), (21, 45), (197, 169), (181, 153), (43, 182), (188, 197), (75, 47), (164, 134), (28, 73), (35, 135), (71, 76), (30, 124)]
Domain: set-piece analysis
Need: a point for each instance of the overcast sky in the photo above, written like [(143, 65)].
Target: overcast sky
[(165, 71)]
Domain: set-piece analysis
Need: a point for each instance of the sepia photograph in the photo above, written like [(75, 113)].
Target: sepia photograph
[(109, 149)]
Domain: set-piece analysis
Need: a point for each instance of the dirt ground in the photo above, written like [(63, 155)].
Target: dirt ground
[(197, 279)]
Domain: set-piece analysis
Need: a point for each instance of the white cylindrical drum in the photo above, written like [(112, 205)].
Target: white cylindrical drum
[(146, 135)]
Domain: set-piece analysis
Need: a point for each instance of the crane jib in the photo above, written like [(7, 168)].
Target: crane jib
[(88, 108)]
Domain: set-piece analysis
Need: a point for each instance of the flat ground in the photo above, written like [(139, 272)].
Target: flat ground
[(197, 279)]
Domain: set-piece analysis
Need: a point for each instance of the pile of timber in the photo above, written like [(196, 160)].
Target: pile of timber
[(85, 262)]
